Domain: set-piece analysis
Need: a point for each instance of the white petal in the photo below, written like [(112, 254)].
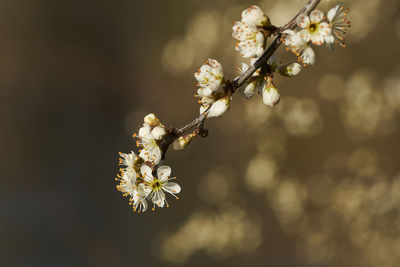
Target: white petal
[(333, 12), (146, 173), (146, 189), (151, 120), (329, 40), (172, 188), (317, 39), (144, 132), (158, 132), (163, 173), (158, 198), (144, 204), (156, 154), (305, 35), (308, 56), (324, 28), (316, 16), (303, 21), (254, 16)]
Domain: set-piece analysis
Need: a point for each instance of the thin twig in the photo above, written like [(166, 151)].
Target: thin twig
[(198, 123)]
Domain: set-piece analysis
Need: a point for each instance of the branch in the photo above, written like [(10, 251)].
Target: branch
[(197, 124)]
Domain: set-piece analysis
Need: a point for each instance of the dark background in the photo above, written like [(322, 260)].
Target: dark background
[(312, 182)]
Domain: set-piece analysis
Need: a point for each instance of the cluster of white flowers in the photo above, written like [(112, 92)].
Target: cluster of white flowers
[(143, 177), (249, 32), (317, 29), (213, 98), (136, 179)]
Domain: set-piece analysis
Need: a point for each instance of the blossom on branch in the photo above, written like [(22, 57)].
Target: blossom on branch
[(250, 39), (313, 28), (154, 187), (339, 24), (144, 177), (316, 29), (269, 92), (299, 47), (254, 16)]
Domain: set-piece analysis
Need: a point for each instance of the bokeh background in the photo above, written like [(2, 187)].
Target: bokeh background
[(314, 181)]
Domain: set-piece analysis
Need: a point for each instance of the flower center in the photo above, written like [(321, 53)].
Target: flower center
[(155, 185), (313, 27)]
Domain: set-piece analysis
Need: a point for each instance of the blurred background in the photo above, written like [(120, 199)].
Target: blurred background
[(314, 181)]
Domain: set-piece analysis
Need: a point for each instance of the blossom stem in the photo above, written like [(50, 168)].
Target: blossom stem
[(198, 123)]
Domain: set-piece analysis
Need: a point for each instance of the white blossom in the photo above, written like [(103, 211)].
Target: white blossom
[(158, 132), (254, 16), (139, 199), (128, 161), (219, 107), (151, 151), (250, 39), (152, 120), (154, 187), (338, 24), (127, 183), (313, 28), (290, 70), (250, 87), (210, 77), (297, 45), (269, 93)]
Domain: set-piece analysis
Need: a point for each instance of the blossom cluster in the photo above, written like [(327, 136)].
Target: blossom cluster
[(252, 33), (317, 29), (141, 177)]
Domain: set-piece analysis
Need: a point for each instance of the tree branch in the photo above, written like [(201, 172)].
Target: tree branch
[(198, 123)]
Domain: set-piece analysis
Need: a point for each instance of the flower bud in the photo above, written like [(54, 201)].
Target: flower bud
[(152, 120), (270, 93), (182, 141), (249, 89), (255, 16), (290, 70), (158, 132), (219, 107)]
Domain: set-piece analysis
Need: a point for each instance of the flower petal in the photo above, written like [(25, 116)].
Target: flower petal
[(317, 39), (172, 188), (316, 16), (156, 154), (305, 35), (324, 28), (332, 13), (144, 132), (146, 173), (163, 173), (303, 21), (308, 56), (158, 198)]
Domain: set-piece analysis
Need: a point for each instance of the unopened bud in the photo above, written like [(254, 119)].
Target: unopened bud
[(255, 16), (249, 89), (158, 132), (290, 70), (182, 141), (219, 107), (152, 120), (270, 93)]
